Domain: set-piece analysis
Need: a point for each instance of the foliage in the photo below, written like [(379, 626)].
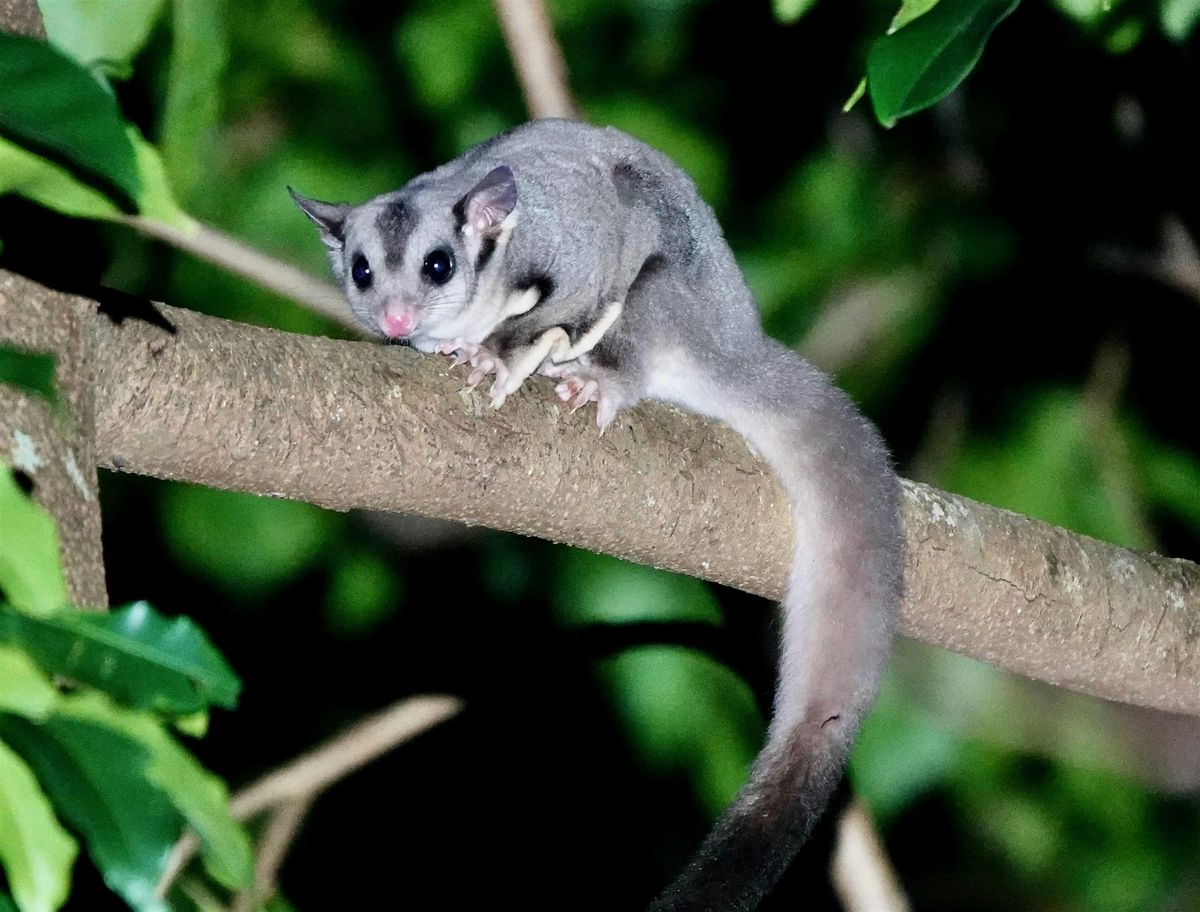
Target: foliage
[(99, 753)]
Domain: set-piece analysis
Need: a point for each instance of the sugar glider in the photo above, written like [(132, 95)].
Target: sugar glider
[(583, 254)]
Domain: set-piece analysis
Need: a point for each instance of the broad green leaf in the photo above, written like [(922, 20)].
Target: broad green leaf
[(919, 65), (135, 655), (156, 200), (6, 903), (24, 688), (789, 11), (103, 34), (52, 105), (199, 795), (50, 185), (96, 777), (32, 372), (910, 10), (30, 570), (35, 851), (1179, 18), (53, 186), (199, 51)]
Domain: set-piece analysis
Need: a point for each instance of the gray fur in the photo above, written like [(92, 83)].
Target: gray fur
[(601, 218)]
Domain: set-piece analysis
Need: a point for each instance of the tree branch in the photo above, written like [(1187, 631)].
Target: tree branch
[(238, 257), (53, 446), (536, 57), (353, 424)]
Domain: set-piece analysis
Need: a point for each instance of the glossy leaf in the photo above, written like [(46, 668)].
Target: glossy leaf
[(30, 570), (135, 654), (104, 35), (192, 105), (52, 105), (50, 185), (197, 794), (35, 851), (96, 778), (789, 11), (24, 688), (32, 372), (918, 65), (910, 10), (53, 186)]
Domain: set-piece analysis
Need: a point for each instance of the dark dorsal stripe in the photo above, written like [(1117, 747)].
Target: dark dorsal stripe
[(486, 249), (395, 223)]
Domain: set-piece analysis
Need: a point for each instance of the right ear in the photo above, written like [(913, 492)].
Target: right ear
[(329, 217), (488, 203)]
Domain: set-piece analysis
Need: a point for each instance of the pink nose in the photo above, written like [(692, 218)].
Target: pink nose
[(398, 319)]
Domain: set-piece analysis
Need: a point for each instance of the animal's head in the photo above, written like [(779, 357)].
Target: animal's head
[(409, 261)]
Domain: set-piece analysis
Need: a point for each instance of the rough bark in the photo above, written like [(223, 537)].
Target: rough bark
[(353, 424), (22, 17), (54, 447)]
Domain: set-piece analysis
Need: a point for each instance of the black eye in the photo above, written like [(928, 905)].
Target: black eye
[(360, 271), (439, 266)]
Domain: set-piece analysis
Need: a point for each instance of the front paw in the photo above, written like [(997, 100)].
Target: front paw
[(483, 361)]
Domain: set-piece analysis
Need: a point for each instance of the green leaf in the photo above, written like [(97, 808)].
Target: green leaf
[(129, 788), (98, 34), (30, 570), (135, 655), (96, 778), (856, 96), (50, 185), (54, 187), (910, 10), (6, 903), (789, 11), (919, 65), (200, 796), (199, 52), (35, 851), (32, 372), (1179, 18), (24, 688), (52, 105)]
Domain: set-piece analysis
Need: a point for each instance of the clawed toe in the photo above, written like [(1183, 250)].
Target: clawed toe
[(587, 392)]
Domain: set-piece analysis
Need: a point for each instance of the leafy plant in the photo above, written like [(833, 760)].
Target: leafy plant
[(95, 749)]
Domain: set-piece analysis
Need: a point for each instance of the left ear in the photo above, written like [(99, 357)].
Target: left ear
[(329, 217), (489, 203)]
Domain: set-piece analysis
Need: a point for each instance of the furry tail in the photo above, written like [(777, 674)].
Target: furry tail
[(838, 615)]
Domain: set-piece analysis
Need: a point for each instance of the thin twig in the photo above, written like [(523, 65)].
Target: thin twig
[(861, 872), (240, 258), (304, 778), (273, 846), (536, 57)]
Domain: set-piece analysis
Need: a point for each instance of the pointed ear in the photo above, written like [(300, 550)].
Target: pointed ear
[(329, 217), (489, 203)]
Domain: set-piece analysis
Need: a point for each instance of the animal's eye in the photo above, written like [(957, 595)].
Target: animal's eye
[(439, 266), (360, 271)]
